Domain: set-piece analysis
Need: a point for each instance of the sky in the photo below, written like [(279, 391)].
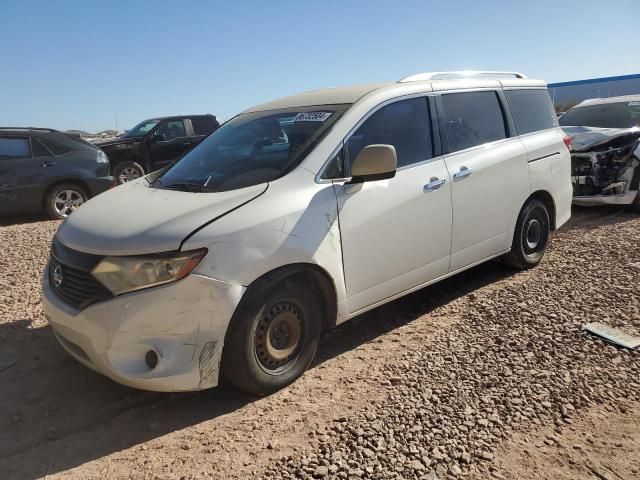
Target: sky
[(85, 64)]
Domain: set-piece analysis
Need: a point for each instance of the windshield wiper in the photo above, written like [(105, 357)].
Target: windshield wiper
[(188, 187)]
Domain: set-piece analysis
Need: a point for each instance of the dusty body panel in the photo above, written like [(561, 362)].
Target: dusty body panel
[(605, 165), (163, 218), (279, 229)]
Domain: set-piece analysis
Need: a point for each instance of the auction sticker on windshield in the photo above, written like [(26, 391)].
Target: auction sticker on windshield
[(312, 116)]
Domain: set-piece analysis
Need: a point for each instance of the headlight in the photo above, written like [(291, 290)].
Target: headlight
[(127, 274), (102, 157)]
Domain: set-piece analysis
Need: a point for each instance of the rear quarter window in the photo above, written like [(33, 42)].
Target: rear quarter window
[(532, 110), (38, 149), (55, 148)]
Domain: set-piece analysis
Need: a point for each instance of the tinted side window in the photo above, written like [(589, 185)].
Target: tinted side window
[(405, 125), (532, 110), (172, 129), (204, 125), (39, 150), (55, 148), (14, 147), (473, 118)]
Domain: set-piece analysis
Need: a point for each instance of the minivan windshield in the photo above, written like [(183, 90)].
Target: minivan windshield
[(604, 115), (141, 129), (251, 148)]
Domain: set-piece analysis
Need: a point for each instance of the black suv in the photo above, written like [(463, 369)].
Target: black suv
[(43, 169), (155, 143)]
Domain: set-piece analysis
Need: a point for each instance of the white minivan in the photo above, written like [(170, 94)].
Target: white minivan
[(300, 214)]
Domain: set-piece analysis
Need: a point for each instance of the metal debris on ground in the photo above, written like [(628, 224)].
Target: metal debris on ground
[(614, 335)]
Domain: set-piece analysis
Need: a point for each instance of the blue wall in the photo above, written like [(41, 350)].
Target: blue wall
[(594, 88)]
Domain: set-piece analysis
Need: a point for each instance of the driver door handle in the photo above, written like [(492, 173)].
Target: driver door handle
[(434, 184), (463, 173), (4, 185), (49, 163)]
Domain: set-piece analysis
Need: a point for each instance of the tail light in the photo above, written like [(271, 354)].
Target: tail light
[(568, 141)]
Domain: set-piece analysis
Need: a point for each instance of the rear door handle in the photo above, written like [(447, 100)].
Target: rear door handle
[(463, 173), (434, 184), (49, 163), (4, 185)]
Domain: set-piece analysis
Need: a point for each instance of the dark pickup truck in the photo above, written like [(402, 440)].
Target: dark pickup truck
[(155, 143)]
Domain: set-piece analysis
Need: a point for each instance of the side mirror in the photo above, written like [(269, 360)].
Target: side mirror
[(158, 137), (374, 162)]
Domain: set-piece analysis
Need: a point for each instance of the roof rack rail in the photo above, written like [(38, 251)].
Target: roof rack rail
[(29, 128), (418, 77)]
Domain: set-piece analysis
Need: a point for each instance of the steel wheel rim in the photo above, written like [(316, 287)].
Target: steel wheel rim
[(66, 202), (534, 237), (128, 174), (279, 336), (534, 234)]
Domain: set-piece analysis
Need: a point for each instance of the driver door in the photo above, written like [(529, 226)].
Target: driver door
[(168, 142), (396, 233)]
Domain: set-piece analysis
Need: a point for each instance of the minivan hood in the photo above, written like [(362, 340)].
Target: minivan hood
[(135, 219)]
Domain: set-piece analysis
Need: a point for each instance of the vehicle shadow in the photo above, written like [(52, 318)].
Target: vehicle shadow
[(51, 404), (16, 219)]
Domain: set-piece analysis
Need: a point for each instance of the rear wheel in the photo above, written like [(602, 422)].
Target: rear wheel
[(127, 171), (272, 339), (63, 200), (531, 236)]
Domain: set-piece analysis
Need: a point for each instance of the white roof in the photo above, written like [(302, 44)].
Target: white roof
[(435, 81), (621, 99)]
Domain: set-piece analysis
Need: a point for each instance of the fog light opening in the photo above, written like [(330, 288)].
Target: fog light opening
[(151, 359)]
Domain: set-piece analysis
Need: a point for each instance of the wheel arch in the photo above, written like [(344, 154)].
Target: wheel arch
[(65, 181), (127, 156), (310, 274), (545, 197)]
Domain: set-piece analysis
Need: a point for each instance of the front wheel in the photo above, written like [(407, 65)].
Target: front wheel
[(127, 171), (272, 339), (531, 236), (63, 200)]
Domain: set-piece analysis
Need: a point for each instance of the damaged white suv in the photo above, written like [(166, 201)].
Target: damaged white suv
[(298, 215)]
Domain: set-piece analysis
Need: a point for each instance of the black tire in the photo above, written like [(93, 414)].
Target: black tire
[(531, 236), (246, 358), (127, 171), (63, 199)]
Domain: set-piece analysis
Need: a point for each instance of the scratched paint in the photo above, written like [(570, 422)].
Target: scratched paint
[(331, 231), (208, 364)]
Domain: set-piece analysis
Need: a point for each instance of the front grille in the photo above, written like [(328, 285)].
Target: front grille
[(75, 287)]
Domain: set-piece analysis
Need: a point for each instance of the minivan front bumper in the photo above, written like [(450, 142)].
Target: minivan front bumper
[(184, 323)]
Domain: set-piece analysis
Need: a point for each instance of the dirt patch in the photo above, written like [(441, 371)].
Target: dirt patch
[(603, 444), (61, 420)]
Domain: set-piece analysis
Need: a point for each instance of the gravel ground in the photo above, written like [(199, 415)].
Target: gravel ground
[(517, 359), (439, 384)]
